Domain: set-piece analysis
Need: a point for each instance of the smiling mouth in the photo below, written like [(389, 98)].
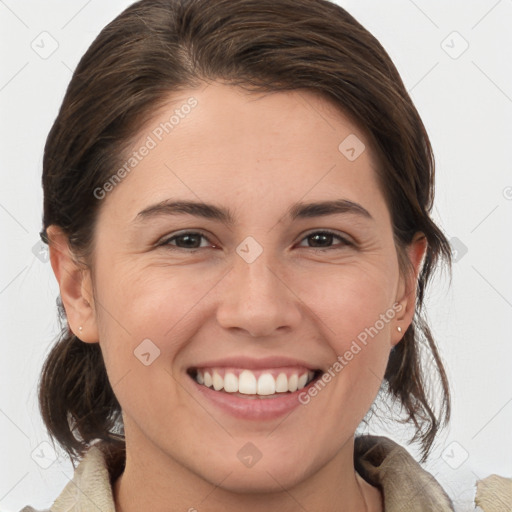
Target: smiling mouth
[(247, 383)]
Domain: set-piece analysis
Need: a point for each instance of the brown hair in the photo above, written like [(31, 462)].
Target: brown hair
[(156, 47)]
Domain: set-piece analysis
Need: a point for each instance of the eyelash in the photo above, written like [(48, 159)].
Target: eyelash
[(166, 243)]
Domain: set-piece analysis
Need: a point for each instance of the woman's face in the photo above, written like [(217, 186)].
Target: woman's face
[(249, 288)]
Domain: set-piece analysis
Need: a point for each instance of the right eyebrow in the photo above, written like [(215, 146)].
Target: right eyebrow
[(167, 207)]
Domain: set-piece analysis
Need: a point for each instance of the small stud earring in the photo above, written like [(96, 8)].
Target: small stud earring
[(80, 328), (399, 329)]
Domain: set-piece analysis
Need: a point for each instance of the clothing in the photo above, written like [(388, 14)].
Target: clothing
[(405, 485), (494, 494)]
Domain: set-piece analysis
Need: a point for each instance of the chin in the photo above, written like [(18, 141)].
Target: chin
[(264, 476)]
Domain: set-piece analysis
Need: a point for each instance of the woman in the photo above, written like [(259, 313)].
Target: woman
[(237, 201)]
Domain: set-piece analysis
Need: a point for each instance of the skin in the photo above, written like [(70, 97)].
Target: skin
[(256, 154)]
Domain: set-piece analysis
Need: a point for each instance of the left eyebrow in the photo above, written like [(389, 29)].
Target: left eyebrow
[(210, 211), (323, 208)]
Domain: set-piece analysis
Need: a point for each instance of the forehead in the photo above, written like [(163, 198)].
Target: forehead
[(247, 148), (218, 116)]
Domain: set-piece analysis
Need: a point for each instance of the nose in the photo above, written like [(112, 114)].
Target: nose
[(258, 299)]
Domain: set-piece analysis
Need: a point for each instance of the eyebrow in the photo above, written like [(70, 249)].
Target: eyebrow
[(210, 211)]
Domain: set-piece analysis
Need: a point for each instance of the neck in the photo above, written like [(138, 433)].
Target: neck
[(153, 480)]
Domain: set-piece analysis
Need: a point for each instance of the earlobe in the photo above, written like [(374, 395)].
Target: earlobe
[(406, 297), (75, 286)]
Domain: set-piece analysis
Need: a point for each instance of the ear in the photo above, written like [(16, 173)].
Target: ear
[(405, 303), (75, 286)]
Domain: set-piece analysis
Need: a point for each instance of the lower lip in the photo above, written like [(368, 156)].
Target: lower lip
[(253, 408)]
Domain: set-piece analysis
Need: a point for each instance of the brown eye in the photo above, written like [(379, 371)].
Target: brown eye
[(187, 240), (324, 239)]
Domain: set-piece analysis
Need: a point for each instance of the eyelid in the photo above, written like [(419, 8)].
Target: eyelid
[(345, 239), (165, 240)]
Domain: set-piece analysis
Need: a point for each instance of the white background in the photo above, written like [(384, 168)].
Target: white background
[(466, 104)]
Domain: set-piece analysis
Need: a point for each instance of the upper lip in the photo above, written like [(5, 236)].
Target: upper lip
[(255, 363)]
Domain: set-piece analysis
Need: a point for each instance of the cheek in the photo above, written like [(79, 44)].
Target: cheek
[(139, 301), (149, 314), (351, 299), (134, 307), (355, 308), (143, 324)]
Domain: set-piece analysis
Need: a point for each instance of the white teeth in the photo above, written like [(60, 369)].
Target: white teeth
[(247, 383), (293, 382), (302, 380), (218, 381), (266, 384), (282, 383), (230, 383)]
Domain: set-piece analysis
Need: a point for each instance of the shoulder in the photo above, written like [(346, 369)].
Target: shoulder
[(91, 486), (494, 493), (403, 481), (389, 466)]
